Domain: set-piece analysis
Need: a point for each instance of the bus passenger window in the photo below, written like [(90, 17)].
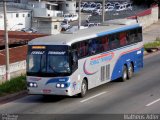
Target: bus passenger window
[(131, 37), (74, 61), (122, 38), (114, 41), (92, 46), (105, 43), (81, 49), (139, 33)]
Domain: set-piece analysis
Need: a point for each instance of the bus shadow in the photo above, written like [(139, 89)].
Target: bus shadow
[(117, 80), (44, 98), (52, 98), (40, 99)]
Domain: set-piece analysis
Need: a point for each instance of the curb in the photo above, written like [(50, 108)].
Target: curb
[(10, 97), (154, 49), (151, 50)]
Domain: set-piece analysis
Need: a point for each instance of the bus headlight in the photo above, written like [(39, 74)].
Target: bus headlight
[(62, 85), (35, 84), (32, 84), (58, 85)]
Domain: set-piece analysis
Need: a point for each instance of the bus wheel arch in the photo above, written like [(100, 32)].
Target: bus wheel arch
[(84, 87), (124, 73), (85, 78)]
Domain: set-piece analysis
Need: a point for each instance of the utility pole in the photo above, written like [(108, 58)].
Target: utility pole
[(6, 41), (79, 14), (103, 11)]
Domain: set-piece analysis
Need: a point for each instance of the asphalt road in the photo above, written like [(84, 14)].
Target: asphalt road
[(141, 94)]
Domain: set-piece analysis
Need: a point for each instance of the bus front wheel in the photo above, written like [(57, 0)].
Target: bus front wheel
[(83, 88), (124, 74)]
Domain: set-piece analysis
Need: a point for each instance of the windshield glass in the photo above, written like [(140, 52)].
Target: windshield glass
[(58, 64), (51, 61), (37, 63)]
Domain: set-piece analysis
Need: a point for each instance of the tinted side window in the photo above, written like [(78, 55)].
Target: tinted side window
[(139, 34), (123, 38), (81, 48), (93, 46), (105, 43), (134, 36), (114, 41), (131, 36)]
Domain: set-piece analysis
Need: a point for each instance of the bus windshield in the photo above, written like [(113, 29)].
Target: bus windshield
[(48, 61)]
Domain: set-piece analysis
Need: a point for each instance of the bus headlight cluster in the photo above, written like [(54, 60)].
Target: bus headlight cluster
[(62, 85), (32, 84)]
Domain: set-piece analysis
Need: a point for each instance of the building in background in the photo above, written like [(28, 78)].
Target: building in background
[(37, 13), (44, 9), (17, 18), (48, 25), (69, 6)]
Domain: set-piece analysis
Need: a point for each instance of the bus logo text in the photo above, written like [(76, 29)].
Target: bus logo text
[(38, 52), (56, 53), (101, 58)]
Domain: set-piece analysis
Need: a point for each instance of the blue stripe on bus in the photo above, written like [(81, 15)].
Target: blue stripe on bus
[(117, 30), (57, 80)]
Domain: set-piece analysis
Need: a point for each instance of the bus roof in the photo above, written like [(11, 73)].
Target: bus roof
[(69, 38)]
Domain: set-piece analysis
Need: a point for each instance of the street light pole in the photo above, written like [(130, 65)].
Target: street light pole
[(6, 41), (103, 11), (79, 14)]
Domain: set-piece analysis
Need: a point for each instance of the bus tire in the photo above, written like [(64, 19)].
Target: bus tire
[(84, 88), (130, 71), (124, 73)]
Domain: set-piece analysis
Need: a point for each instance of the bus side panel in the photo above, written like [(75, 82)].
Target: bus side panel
[(136, 57), (139, 60)]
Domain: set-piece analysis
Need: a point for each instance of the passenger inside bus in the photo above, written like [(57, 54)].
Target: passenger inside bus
[(92, 46)]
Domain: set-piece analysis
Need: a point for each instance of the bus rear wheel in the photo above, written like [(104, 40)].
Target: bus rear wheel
[(130, 71), (124, 74), (84, 88)]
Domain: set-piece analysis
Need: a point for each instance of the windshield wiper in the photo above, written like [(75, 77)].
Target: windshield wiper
[(52, 69)]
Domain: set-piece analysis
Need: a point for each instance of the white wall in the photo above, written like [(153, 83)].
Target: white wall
[(1, 21), (47, 25), (13, 21), (25, 1), (38, 4), (16, 69), (69, 7), (42, 12), (149, 19)]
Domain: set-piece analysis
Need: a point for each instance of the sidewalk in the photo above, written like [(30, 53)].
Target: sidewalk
[(152, 32)]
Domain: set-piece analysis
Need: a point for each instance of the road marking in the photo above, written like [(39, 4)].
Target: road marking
[(92, 97), (153, 102)]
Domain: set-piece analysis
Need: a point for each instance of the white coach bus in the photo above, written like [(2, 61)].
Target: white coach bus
[(72, 63)]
